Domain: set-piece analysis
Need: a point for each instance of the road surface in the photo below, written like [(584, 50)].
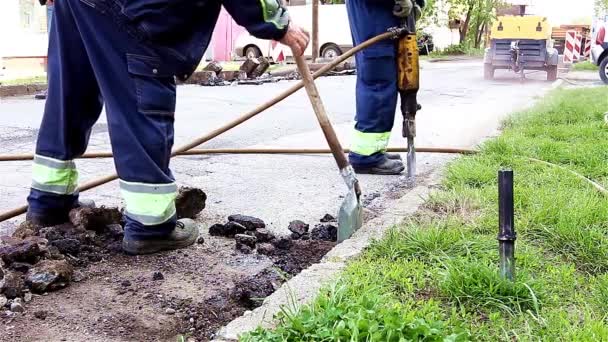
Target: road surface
[(460, 109)]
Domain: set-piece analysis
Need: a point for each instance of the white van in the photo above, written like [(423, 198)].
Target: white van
[(334, 34)]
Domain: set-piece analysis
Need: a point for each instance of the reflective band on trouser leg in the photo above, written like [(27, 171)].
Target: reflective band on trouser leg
[(366, 144), (55, 176), (149, 204)]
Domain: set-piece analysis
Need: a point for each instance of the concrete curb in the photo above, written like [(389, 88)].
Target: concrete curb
[(304, 287)]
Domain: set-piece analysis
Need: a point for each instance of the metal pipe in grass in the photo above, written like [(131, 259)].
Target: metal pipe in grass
[(506, 222)]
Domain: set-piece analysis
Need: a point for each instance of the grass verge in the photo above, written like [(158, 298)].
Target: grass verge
[(435, 278), (585, 66), (24, 81)]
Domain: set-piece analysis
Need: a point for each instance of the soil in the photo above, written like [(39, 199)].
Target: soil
[(115, 297)]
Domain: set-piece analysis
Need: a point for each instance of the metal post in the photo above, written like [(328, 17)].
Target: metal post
[(506, 221), (315, 30)]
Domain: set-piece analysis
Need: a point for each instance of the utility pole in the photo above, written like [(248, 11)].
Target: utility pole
[(315, 30)]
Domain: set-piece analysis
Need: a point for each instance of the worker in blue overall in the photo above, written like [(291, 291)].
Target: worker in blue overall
[(126, 55), (376, 90)]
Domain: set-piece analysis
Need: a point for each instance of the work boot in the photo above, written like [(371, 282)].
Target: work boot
[(386, 167), (393, 156), (46, 221), (184, 235)]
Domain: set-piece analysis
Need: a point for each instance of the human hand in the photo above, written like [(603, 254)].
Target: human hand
[(296, 38)]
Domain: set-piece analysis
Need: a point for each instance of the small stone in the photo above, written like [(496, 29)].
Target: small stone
[(95, 219), (250, 223), (146, 295), (3, 301), (305, 237), (324, 232), (115, 230), (55, 254), (283, 243), (41, 314), (190, 202), (192, 320), (170, 311), (125, 283), (22, 267), (13, 285), (264, 235), (158, 276), (298, 227), (200, 240), (265, 249), (246, 240), (17, 307), (23, 251), (27, 297), (229, 229), (294, 236), (328, 218), (244, 249), (67, 246), (49, 275)]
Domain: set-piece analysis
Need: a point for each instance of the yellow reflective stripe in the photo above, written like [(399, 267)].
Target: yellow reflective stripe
[(55, 176), (367, 144), (273, 13), (149, 204)]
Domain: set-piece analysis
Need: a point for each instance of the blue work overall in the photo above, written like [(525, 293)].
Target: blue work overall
[(376, 90), (126, 54)]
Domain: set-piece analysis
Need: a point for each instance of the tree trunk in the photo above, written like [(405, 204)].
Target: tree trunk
[(465, 27)]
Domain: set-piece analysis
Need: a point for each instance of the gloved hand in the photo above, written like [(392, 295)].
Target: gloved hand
[(403, 8)]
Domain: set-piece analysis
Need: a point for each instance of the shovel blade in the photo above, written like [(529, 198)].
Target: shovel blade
[(350, 216)]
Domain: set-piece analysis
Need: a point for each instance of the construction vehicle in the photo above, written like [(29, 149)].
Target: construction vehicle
[(521, 42), (599, 49)]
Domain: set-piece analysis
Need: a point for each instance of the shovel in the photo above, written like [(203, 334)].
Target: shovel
[(350, 214)]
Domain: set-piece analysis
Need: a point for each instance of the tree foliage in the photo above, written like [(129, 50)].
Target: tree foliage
[(476, 17)]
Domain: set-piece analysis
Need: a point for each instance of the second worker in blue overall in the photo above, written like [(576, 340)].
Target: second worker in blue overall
[(376, 90), (126, 55)]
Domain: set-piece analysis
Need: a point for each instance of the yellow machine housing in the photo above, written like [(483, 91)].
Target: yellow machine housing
[(521, 42), (521, 27)]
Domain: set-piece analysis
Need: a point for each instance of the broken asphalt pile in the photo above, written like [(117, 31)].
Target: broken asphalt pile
[(254, 71), (37, 260)]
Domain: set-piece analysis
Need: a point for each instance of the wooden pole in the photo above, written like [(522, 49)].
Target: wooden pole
[(315, 30)]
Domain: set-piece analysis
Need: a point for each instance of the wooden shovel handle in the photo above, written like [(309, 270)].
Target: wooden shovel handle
[(319, 108)]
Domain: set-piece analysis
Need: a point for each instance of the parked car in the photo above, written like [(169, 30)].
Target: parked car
[(425, 43), (334, 34), (599, 49)]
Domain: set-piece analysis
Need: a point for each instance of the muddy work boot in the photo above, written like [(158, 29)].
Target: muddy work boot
[(393, 156), (386, 167), (57, 219), (184, 235)]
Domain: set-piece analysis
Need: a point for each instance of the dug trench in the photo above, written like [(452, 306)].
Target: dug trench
[(73, 283)]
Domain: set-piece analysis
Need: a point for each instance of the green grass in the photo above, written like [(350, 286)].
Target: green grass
[(585, 66), (435, 277), (24, 81), (457, 50)]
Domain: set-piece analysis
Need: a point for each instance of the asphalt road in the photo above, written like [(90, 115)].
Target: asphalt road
[(460, 109)]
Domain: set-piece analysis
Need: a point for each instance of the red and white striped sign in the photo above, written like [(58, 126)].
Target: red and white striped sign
[(277, 51), (578, 49), (569, 49), (587, 50)]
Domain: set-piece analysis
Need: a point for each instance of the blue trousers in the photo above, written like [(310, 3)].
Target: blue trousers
[(96, 60), (376, 90)]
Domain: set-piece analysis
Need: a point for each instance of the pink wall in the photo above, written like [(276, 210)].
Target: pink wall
[(224, 36)]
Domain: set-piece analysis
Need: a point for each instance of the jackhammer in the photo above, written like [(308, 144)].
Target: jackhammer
[(408, 75)]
